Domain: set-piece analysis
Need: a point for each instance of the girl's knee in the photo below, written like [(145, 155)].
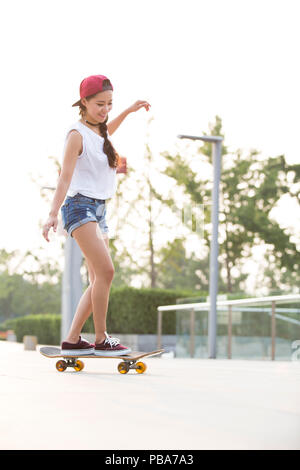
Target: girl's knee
[(111, 273), (107, 273)]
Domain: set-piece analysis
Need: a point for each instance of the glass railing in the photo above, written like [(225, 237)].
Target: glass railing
[(257, 328)]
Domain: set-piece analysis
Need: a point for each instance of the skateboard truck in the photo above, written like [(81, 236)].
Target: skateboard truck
[(78, 365)]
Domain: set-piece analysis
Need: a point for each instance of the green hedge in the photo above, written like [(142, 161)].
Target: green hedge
[(45, 326)]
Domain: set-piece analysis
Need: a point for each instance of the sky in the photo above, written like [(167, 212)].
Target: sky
[(190, 60)]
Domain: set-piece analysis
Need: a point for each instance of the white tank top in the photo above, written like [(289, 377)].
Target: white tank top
[(92, 176)]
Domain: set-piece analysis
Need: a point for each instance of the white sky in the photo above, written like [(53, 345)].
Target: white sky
[(190, 60)]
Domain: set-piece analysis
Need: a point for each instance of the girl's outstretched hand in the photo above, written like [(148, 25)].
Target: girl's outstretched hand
[(138, 105)]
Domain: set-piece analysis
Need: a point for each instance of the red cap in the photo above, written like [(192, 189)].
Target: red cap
[(93, 84)]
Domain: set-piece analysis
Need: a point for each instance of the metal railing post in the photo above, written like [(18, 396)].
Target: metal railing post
[(192, 333), (229, 330), (273, 330)]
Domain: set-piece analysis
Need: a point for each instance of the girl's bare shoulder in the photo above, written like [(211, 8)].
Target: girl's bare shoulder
[(74, 140)]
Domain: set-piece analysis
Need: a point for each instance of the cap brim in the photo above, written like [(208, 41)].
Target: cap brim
[(76, 104)]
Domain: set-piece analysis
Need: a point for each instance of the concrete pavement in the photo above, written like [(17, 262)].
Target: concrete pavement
[(176, 404)]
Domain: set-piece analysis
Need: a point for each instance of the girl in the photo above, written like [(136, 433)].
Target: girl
[(88, 178)]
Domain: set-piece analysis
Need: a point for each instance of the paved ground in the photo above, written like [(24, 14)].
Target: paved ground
[(176, 404)]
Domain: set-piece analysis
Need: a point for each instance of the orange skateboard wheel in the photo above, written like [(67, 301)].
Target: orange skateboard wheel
[(79, 365), (123, 368), (140, 367), (61, 366)]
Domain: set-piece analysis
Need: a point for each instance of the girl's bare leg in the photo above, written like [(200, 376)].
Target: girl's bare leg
[(100, 278), (83, 311)]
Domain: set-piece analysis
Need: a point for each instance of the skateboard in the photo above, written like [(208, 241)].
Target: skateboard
[(129, 361)]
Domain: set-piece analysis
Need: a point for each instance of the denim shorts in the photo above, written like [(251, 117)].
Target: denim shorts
[(79, 210)]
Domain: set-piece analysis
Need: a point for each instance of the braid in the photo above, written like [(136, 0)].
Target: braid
[(108, 148)]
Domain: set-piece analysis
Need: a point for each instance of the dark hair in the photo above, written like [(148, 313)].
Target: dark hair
[(108, 148)]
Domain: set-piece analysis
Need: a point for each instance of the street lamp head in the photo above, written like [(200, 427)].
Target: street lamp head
[(205, 138)]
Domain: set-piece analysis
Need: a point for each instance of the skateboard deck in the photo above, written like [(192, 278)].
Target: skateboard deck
[(129, 361)]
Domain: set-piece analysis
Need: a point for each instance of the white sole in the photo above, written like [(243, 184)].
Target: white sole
[(112, 353), (77, 352)]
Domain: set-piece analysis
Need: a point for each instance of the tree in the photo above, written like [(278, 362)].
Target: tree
[(21, 293), (249, 189)]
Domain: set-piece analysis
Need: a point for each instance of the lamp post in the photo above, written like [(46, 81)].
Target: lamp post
[(71, 284), (214, 246)]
